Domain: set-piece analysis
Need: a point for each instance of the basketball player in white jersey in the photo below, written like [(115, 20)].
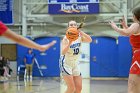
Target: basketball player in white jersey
[(69, 60)]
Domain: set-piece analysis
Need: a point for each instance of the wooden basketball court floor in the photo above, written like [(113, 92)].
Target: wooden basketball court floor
[(55, 85)]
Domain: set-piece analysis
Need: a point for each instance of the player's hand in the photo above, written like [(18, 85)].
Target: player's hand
[(81, 33), (70, 41), (123, 22), (47, 46), (113, 25)]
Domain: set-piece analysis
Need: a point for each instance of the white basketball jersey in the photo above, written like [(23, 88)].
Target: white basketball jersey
[(74, 51)]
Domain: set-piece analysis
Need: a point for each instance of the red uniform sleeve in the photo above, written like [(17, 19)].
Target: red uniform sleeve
[(3, 28)]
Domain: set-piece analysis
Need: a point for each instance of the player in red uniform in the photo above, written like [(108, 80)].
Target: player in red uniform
[(4, 31), (134, 32)]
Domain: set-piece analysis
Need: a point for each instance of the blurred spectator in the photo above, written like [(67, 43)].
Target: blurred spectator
[(8, 69), (2, 70), (29, 61)]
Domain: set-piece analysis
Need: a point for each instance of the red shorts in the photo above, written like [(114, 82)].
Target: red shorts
[(135, 66), (3, 28)]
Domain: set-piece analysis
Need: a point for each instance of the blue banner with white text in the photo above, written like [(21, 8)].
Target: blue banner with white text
[(6, 11), (73, 7)]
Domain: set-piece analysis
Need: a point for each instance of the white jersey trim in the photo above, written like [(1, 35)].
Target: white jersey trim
[(136, 62)]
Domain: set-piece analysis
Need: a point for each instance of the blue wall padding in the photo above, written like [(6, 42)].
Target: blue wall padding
[(112, 59), (105, 51), (125, 56)]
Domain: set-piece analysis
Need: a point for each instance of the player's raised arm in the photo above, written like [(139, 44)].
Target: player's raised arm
[(6, 32)]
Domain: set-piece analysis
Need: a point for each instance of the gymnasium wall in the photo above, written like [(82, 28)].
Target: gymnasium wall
[(109, 57)]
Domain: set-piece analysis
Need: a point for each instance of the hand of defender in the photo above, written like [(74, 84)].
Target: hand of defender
[(123, 22), (47, 46)]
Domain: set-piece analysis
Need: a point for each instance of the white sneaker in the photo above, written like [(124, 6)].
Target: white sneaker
[(5, 78), (8, 75), (2, 78), (30, 77), (27, 77)]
